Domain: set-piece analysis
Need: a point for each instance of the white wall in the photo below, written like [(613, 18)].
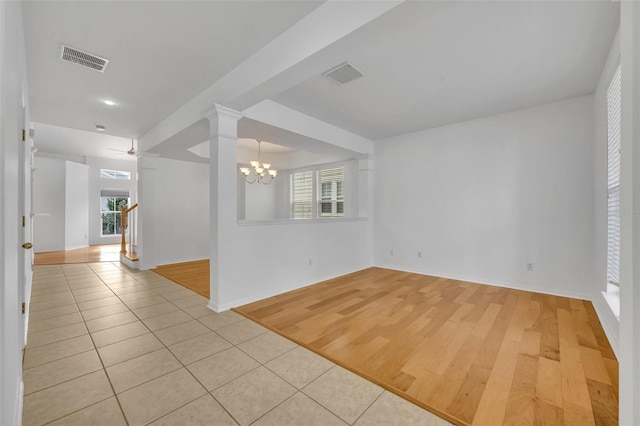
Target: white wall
[(181, 211), (97, 183), (265, 260), (261, 200), (49, 204), (76, 215), (481, 199)]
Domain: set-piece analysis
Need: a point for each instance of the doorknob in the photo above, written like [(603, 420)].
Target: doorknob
[(27, 246)]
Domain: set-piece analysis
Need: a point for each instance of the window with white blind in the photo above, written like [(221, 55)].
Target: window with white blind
[(613, 180), (317, 193), (330, 192), (302, 195)]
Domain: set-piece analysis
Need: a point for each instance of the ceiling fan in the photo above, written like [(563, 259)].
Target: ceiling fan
[(131, 151)]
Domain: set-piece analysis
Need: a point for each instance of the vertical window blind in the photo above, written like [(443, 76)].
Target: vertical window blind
[(613, 179), (331, 192), (302, 195)]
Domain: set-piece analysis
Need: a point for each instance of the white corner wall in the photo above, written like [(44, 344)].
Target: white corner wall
[(271, 259), (76, 215), (479, 200), (181, 211), (49, 204)]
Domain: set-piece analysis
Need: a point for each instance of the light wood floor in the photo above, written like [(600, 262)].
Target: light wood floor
[(91, 254), (471, 353), (192, 275)]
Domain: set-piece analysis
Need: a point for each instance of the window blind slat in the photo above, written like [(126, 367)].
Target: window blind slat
[(331, 192), (302, 195), (613, 178)]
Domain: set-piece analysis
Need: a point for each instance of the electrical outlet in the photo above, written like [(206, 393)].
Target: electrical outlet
[(529, 266), (390, 252), (419, 254)]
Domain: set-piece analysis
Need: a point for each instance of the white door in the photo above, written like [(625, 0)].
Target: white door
[(25, 259)]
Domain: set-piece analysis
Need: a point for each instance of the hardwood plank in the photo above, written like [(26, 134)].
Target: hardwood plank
[(612, 368), (471, 353), (566, 329), (548, 414), (594, 367), (574, 382), (549, 382), (486, 320), (465, 403), (91, 254), (493, 403), (192, 275), (603, 401), (574, 415), (521, 408)]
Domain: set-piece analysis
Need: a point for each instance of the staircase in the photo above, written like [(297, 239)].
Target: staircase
[(128, 245)]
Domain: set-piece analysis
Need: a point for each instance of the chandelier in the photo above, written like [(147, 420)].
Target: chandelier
[(259, 172)]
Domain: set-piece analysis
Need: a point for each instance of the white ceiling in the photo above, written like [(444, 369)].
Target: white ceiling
[(80, 143), (426, 63), (161, 55), (433, 63)]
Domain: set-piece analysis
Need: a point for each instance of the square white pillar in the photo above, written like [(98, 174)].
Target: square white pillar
[(223, 215), (147, 205)]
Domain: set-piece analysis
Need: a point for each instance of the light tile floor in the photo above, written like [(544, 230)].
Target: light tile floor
[(113, 346)]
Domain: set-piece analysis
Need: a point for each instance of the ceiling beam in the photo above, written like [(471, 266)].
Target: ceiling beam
[(324, 26)]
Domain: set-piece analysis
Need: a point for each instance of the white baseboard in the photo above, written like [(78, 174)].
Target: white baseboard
[(76, 247), (20, 404), (180, 260), (213, 305), (610, 323), (130, 263), (514, 286)]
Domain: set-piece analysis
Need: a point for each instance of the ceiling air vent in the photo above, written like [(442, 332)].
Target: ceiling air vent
[(83, 58), (343, 73)]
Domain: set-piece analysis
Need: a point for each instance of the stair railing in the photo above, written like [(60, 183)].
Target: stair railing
[(128, 249)]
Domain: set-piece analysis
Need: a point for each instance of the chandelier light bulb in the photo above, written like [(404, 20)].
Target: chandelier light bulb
[(259, 170)]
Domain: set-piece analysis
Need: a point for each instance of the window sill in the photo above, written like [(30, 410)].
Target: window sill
[(612, 296), (299, 221)]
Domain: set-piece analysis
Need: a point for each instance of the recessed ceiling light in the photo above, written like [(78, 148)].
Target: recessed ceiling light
[(100, 128), (110, 102)]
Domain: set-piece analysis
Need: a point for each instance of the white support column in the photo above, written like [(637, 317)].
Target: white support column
[(147, 204), (630, 214), (223, 207)]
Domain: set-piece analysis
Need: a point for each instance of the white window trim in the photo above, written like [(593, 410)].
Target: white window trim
[(123, 172)]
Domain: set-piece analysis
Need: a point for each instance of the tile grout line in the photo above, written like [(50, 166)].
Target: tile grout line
[(173, 355), (102, 362), (207, 392), (66, 381), (182, 364)]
